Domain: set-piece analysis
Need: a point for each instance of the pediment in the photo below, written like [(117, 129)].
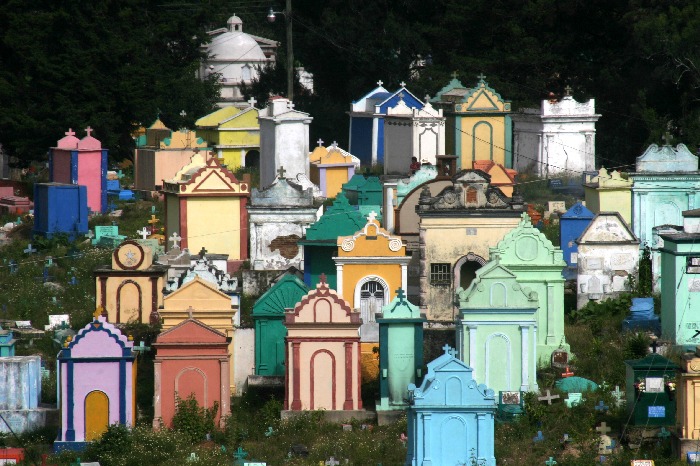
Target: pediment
[(608, 227), (197, 289), (483, 101)]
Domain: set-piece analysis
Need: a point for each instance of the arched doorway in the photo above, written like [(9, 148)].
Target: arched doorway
[(465, 269), (96, 415), (372, 295), (252, 159)]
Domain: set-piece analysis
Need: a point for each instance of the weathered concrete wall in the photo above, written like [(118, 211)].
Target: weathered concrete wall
[(243, 358), (21, 386)]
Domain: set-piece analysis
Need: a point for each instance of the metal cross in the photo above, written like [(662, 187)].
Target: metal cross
[(281, 171), (143, 232), (548, 397), (252, 101), (175, 238)]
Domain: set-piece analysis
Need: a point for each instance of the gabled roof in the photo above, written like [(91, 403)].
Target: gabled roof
[(221, 116), (607, 228), (282, 295), (495, 286), (189, 328), (525, 245), (340, 219), (578, 211)]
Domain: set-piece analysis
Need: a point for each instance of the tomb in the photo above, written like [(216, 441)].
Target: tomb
[(478, 123), (537, 265), (666, 183), (279, 215), (321, 240), (199, 193), (323, 357), (60, 209), (470, 216), (191, 359), (651, 383), (107, 236), (609, 192), (501, 177), (130, 289), (160, 153), (15, 205), (268, 315), (687, 432), (200, 295), (571, 225), (497, 329), (97, 384), (81, 162), (642, 317), (412, 133), (20, 394), (450, 416), (284, 140), (234, 135), (608, 255), (367, 115), (115, 191), (401, 355), (680, 287), (557, 138), (331, 167), (7, 343)]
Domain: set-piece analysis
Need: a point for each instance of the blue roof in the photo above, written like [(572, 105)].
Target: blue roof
[(578, 210)]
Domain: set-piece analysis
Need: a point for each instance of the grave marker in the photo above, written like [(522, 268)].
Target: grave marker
[(539, 437), (573, 399), (143, 232), (548, 397), (332, 462), (601, 407), (603, 428), (550, 462), (567, 373), (30, 249)]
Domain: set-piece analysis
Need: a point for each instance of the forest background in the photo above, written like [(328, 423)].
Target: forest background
[(118, 64)]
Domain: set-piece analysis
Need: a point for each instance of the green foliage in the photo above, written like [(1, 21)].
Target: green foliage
[(643, 287), (193, 420)]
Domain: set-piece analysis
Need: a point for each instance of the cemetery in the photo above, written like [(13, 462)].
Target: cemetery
[(452, 289)]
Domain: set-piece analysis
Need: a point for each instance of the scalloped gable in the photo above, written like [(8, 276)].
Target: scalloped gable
[(213, 179), (281, 193), (400, 308), (340, 219), (525, 244), (496, 287), (446, 367), (451, 86), (667, 159), (607, 227), (99, 338), (322, 306), (284, 294), (371, 240), (483, 98), (183, 139)]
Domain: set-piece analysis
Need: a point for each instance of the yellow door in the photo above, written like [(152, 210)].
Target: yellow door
[(96, 415)]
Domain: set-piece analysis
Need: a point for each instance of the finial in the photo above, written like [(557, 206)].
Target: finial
[(481, 77), (202, 252), (400, 294), (427, 97), (380, 82), (252, 101), (446, 348), (319, 142), (334, 145), (372, 216), (322, 279), (567, 90), (88, 130), (70, 132), (454, 74), (667, 137), (402, 84), (281, 171), (98, 312)]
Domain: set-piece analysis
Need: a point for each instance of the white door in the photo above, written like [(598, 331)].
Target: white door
[(371, 300)]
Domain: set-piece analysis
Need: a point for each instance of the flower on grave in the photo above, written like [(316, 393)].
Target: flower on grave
[(640, 386), (670, 385)]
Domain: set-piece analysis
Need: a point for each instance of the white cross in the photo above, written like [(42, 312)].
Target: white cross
[(319, 142), (334, 145), (142, 232), (183, 114), (332, 462), (427, 97), (175, 238), (90, 234), (603, 428), (290, 105), (372, 216), (380, 82), (402, 84), (252, 101)]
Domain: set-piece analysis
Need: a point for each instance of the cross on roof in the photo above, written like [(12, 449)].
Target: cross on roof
[(322, 278), (667, 137), (402, 84), (88, 130), (446, 348), (175, 238), (568, 90), (141, 347), (427, 97), (70, 132), (290, 105), (334, 145), (400, 294), (372, 216), (603, 429), (143, 232), (454, 75), (453, 352), (190, 310), (549, 397), (252, 101), (281, 171), (319, 142), (202, 252), (481, 77), (380, 82)]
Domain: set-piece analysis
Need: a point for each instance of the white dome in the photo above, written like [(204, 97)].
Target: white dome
[(235, 46)]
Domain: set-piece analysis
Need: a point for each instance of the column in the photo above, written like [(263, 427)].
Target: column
[(525, 373), (347, 406), (404, 278), (225, 390), (157, 409), (426, 439), (552, 321), (296, 383), (535, 356), (539, 167), (339, 279), (375, 137), (472, 346), (389, 206)]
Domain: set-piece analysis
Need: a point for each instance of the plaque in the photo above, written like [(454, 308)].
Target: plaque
[(560, 358), (594, 263), (654, 385), (657, 411), (510, 398), (692, 265)]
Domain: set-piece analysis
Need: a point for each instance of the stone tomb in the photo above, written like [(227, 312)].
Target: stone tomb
[(331, 167), (651, 383), (571, 225), (608, 255), (609, 192), (97, 382), (131, 288), (191, 359), (451, 416), (323, 357), (401, 354), (20, 395), (279, 216), (497, 329)]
